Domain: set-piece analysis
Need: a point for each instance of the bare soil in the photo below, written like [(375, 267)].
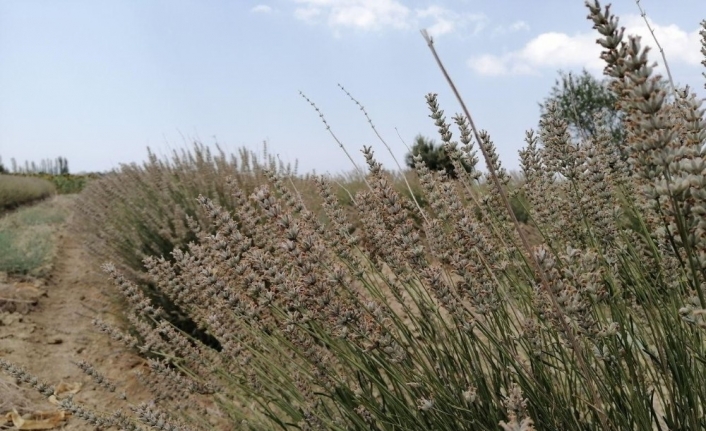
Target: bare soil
[(45, 326)]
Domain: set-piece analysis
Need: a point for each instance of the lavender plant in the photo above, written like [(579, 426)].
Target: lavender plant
[(139, 211), (448, 316)]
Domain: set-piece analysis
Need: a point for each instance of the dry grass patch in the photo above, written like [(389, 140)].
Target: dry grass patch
[(28, 238), (18, 190)]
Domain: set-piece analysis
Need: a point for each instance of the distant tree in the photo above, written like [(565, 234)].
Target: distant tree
[(579, 98), (432, 154), (63, 164)]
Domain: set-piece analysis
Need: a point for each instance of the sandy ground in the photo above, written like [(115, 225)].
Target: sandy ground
[(46, 326)]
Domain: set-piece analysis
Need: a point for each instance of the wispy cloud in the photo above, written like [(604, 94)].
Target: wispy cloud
[(515, 27), (261, 8), (359, 14), (445, 20), (375, 15), (519, 25), (552, 50), (308, 14)]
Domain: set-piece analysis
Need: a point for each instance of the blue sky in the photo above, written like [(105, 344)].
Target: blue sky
[(99, 81)]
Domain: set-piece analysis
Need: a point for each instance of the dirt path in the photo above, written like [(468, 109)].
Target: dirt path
[(48, 326)]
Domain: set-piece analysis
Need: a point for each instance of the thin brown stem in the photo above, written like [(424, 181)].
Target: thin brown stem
[(643, 14), (340, 144), (370, 121)]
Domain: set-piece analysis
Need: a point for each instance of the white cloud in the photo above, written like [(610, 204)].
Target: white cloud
[(385, 14), (261, 8), (553, 50), (488, 65), (360, 14), (447, 21)]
